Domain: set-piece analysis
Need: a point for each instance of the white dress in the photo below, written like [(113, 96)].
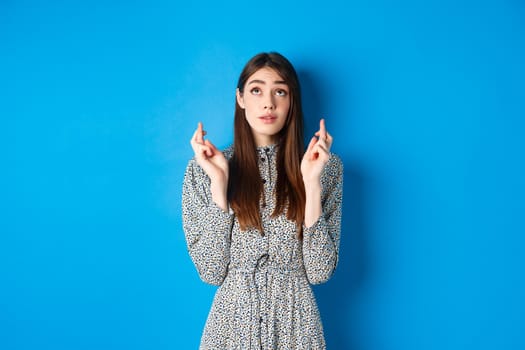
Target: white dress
[(264, 299)]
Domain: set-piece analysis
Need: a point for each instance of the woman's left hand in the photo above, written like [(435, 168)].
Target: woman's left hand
[(316, 155)]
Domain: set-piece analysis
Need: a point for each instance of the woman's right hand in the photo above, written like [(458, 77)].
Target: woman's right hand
[(213, 162)]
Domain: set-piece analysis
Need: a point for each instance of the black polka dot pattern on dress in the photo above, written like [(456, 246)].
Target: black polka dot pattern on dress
[(264, 299)]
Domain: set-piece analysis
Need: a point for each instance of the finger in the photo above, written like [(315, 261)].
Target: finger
[(211, 146), (202, 151), (318, 134), (322, 133), (311, 144), (322, 129), (322, 140), (322, 153), (321, 148), (197, 135), (329, 140), (308, 154), (200, 133), (206, 151)]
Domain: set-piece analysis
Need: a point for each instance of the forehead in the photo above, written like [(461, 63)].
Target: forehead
[(266, 75)]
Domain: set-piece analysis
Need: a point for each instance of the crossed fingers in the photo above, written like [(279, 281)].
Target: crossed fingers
[(324, 139), (201, 147)]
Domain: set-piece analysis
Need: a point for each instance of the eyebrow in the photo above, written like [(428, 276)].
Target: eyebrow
[(257, 81)]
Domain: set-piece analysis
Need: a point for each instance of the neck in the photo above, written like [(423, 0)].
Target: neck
[(262, 141)]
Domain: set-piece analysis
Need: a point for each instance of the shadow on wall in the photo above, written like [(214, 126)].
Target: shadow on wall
[(338, 297)]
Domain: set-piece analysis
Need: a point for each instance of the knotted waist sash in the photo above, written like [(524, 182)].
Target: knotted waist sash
[(259, 296)]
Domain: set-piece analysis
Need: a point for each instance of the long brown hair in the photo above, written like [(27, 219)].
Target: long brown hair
[(245, 185)]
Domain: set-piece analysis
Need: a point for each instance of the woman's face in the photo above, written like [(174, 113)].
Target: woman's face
[(266, 101)]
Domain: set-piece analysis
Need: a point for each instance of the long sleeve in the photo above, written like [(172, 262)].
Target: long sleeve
[(321, 240), (206, 227)]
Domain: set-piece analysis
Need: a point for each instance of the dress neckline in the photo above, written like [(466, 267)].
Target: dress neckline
[(268, 149)]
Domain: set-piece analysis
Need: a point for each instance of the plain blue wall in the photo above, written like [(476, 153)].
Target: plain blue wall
[(98, 101)]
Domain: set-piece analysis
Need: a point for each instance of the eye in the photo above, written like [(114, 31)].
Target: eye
[(255, 91), (281, 92)]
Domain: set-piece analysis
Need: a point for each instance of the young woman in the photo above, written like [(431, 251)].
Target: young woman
[(262, 218)]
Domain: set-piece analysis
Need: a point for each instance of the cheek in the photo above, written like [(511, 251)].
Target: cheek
[(249, 104), (285, 106), (249, 110)]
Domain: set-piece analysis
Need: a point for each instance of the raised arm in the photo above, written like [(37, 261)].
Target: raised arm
[(206, 222), (321, 239), (323, 179)]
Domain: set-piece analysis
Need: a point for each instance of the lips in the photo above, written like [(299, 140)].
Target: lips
[(268, 117)]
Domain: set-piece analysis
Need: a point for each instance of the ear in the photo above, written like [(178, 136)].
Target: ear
[(240, 99)]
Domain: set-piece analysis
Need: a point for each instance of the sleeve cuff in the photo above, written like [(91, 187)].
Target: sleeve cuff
[(216, 210), (310, 230)]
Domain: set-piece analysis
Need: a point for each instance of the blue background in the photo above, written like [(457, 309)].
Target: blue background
[(98, 101)]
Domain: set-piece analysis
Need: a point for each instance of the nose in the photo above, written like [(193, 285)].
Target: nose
[(269, 104)]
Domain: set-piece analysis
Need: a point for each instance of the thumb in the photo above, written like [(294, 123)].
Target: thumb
[(211, 145), (310, 147)]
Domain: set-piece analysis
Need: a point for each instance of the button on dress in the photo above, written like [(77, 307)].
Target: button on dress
[(264, 299)]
